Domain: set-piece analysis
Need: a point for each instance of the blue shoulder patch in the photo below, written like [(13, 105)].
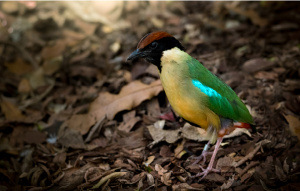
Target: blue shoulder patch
[(206, 90)]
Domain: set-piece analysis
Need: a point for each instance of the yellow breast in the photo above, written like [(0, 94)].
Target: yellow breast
[(181, 92)]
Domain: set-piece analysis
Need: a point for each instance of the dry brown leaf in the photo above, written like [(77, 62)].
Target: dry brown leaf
[(194, 133), (291, 85), (130, 96), (24, 86), (225, 162), (73, 177), (37, 78), (184, 187), (238, 132), (150, 159), (153, 108), (109, 105), (179, 151), (11, 112), (129, 120), (294, 124), (34, 137), (106, 178), (53, 65), (19, 67), (257, 64), (263, 75), (70, 138), (164, 175), (88, 28), (53, 51), (158, 135), (228, 184)]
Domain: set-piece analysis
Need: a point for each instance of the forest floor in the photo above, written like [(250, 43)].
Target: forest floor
[(76, 116)]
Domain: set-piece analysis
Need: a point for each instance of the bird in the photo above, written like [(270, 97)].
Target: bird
[(195, 94)]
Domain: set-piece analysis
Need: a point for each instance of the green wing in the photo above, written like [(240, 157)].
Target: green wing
[(221, 98)]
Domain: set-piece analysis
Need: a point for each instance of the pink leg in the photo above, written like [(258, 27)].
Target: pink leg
[(212, 160), (203, 154)]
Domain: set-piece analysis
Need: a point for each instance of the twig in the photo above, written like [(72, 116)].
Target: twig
[(38, 97), (252, 164), (252, 153), (98, 126)]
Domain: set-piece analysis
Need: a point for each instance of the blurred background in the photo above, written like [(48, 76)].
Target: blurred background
[(74, 113)]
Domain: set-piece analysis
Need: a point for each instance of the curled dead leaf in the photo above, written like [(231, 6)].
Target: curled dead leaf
[(108, 177)]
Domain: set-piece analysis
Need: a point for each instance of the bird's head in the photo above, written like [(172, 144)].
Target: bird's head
[(152, 46)]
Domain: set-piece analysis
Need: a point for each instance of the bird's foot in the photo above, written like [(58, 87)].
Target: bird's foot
[(205, 172), (202, 157)]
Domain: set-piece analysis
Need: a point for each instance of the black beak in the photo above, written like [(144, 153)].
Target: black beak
[(135, 54)]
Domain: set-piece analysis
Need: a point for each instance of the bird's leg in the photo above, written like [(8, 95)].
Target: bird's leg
[(212, 160), (203, 154)]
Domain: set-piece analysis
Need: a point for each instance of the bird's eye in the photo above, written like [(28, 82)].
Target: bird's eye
[(153, 45)]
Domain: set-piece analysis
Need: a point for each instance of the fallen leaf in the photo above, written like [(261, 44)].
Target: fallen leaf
[(19, 67), (24, 86), (257, 64), (150, 179), (109, 105), (34, 137), (237, 132), (194, 133), (153, 108), (164, 175), (53, 65), (158, 135), (263, 75), (225, 162), (291, 85), (279, 171), (37, 78), (69, 137), (294, 124), (129, 120), (88, 28), (226, 185), (179, 151), (150, 159), (165, 151), (73, 177), (215, 177), (184, 187), (11, 112), (106, 178), (50, 52), (60, 158)]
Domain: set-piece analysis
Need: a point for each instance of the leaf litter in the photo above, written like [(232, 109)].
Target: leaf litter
[(76, 116)]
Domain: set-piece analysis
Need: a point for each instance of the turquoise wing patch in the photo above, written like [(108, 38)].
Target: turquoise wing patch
[(206, 90)]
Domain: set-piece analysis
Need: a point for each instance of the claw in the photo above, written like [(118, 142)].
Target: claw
[(202, 157), (210, 168), (203, 154)]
